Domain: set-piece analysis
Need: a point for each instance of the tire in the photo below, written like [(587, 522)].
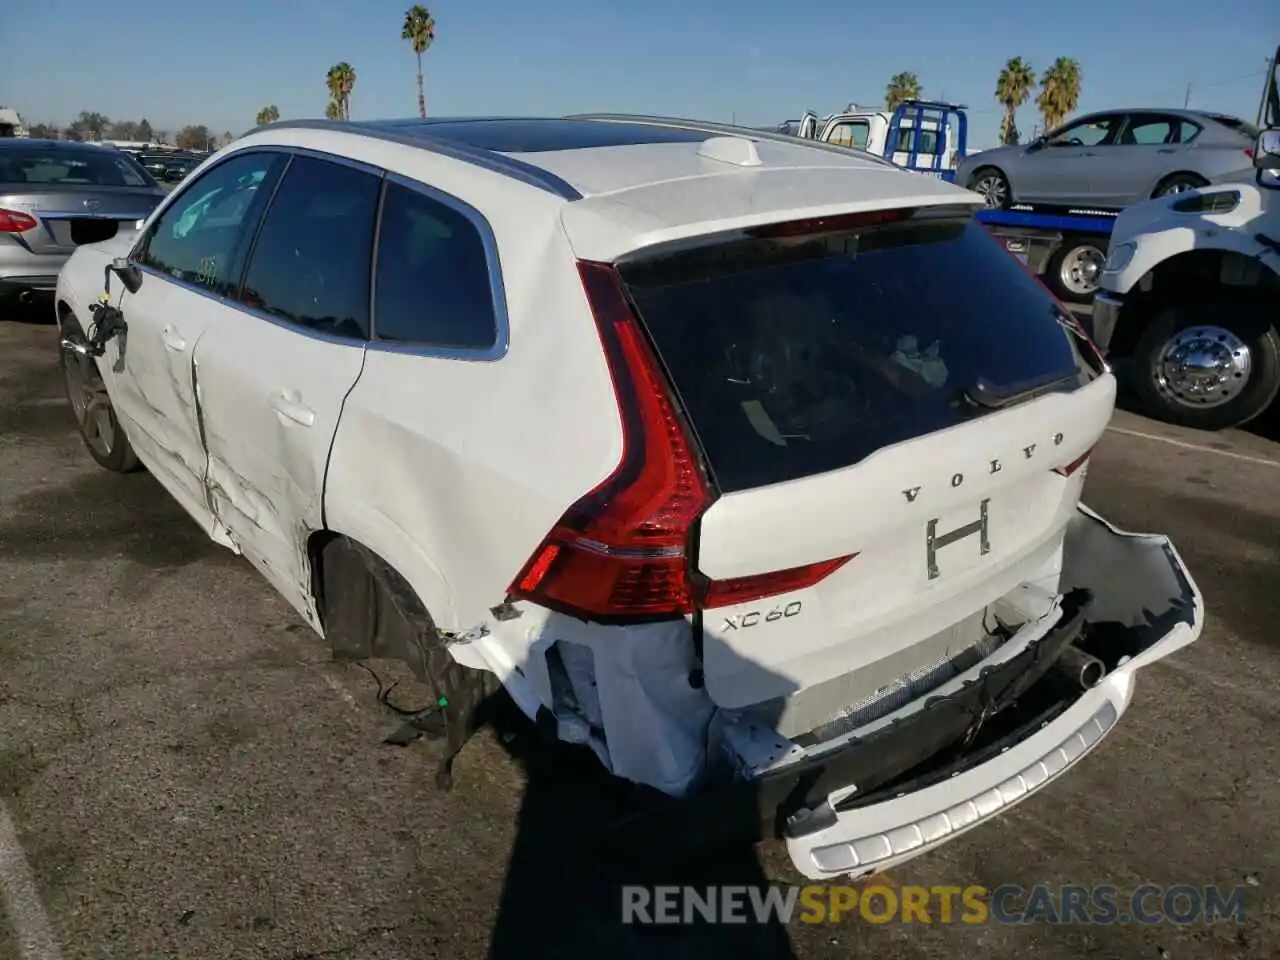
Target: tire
[(1073, 270), (993, 185), (1179, 182), (1239, 337), (96, 419)]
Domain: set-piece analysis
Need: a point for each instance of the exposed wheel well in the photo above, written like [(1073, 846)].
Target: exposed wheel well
[(1193, 275), (316, 544)]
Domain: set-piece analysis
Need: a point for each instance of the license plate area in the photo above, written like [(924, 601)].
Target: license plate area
[(93, 230)]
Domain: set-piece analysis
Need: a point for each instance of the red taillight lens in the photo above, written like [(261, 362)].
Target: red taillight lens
[(619, 552), (1248, 152), (15, 221), (725, 593)]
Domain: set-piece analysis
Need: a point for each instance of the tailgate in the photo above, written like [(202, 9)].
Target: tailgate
[(894, 413)]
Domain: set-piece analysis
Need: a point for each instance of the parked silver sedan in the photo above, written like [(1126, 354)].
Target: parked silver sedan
[(1116, 158), (56, 195)]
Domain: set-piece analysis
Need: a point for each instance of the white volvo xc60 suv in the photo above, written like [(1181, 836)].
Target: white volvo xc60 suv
[(752, 464)]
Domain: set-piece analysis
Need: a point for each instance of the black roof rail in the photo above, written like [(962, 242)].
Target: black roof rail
[(416, 133), (731, 130)]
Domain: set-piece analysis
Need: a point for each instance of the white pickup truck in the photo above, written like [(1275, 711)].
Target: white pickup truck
[(1190, 292), (927, 136)]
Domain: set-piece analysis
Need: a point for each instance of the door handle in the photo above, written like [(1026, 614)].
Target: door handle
[(1166, 150), (289, 406), (173, 340)]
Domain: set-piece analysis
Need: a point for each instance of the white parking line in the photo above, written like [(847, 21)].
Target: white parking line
[(1263, 461), (21, 899)]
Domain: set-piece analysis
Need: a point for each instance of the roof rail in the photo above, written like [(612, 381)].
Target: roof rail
[(414, 133), (730, 130)]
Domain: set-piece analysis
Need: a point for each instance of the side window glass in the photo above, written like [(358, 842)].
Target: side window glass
[(310, 264), (433, 284), (1187, 131), (1088, 133), (195, 239), (1148, 131), (850, 134)]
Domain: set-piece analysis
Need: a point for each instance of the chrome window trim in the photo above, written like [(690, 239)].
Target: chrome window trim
[(491, 160), (493, 266)]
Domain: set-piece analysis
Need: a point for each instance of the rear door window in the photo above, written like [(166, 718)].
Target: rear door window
[(799, 355), (311, 262)]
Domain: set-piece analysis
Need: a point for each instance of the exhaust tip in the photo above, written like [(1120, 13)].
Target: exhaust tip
[(1091, 674), (1088, 671)]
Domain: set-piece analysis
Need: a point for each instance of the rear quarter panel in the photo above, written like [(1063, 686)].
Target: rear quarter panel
[(454, 470)]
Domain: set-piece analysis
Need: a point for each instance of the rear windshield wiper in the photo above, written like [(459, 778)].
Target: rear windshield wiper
[(984, 393)]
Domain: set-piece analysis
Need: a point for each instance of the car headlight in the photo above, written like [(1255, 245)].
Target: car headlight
[(1119, 256)]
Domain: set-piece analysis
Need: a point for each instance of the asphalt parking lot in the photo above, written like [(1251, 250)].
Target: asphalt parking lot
[(185, 773)]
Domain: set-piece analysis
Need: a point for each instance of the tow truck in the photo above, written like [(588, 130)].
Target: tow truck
[(1066, 247)]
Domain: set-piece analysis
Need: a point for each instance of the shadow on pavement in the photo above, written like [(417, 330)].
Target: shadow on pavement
[(563, 894)]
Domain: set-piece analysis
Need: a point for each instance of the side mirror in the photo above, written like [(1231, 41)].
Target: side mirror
[(1266, 152), (128, 272)]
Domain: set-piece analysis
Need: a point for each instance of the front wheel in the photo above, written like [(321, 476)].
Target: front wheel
[(1208, 365), (95, 417)]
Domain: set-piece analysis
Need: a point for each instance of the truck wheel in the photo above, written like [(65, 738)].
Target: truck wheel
[(1208, 365), (95, 417), (1074, 269), (1179, 182), (993, 185)]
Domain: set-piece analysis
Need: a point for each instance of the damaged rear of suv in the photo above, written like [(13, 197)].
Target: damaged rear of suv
[(749, 464), (840, 582)]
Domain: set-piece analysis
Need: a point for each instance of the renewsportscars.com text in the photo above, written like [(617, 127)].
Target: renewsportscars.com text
[(1008, 904)]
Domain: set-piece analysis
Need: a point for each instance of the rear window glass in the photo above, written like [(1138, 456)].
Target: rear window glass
[(797, 356), (100, 167)]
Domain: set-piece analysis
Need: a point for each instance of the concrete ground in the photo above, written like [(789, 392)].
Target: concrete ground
[(183, 771)]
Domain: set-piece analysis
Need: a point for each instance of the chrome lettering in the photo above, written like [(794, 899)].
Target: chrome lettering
[(935, 541)]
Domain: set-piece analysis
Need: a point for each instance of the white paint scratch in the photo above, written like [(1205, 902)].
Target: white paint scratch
[(21, 899)]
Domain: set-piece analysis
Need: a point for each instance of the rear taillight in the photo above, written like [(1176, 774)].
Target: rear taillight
[(15, 221), (622, 552), (1248, 152), (1070, 468)]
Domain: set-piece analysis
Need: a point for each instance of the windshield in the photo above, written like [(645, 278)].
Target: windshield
[(800, 355), (101, 167)]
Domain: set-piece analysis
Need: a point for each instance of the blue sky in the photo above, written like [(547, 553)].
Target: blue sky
[(218, 61)]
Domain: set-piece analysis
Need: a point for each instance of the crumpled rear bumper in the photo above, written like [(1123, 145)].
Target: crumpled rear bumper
[(1143, 605), (895, 790)]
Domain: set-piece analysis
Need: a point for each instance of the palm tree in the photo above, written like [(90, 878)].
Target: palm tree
[(268, 115), (340, 80), (902, 86), (1013, 87), (1059, 92), (420, 30), (333, 111)]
